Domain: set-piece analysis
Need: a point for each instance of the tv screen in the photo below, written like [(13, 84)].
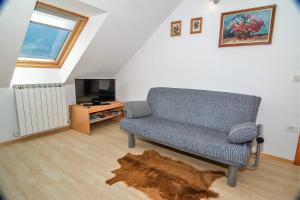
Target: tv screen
[(88, 90)]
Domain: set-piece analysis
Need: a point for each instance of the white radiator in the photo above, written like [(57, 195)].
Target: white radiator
[(41, 107)]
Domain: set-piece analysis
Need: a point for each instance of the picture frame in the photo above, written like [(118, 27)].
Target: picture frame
[(196, 25), (252, 26), (175, 28)]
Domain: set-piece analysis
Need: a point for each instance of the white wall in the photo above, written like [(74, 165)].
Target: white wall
[(8, 114), (298, 73), (128, 25), (14, 20), (195, 61), (82, 44), (298, 84), (26, 75)]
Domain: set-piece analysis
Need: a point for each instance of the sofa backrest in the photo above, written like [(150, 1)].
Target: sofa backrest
[(215, 110)]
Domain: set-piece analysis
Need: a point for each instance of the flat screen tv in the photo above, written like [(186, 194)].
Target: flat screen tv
[(89, 91)]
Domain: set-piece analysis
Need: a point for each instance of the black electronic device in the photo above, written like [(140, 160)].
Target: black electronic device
[(95, 91)]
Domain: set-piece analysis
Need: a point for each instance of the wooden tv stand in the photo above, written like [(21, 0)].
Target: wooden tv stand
[(81, 115)]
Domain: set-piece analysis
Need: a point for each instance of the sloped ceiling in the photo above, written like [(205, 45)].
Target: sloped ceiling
[(14, 18), (128, 25), (44, 75)]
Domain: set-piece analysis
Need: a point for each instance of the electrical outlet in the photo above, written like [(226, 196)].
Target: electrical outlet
[(296, 79), (293, 129)]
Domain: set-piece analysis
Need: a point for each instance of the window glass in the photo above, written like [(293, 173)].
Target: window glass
[(50, 37), (43, 42)]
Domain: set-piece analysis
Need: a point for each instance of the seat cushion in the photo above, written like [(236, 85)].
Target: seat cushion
[(215, 110), (198, 140)]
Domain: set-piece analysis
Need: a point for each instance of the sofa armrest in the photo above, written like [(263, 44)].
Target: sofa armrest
[(260, 136), (259, 140), (137, 109), (243, 133)]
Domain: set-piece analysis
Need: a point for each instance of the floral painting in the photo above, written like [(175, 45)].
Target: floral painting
[(247, 27), (175, 28)]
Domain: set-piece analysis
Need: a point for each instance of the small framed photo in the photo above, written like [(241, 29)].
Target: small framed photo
[(175, 28), (196, 25)]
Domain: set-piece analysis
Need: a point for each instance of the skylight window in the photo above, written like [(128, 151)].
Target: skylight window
[(51, 34)]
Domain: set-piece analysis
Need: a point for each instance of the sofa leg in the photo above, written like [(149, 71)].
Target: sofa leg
[(232, 175), (131, 141)]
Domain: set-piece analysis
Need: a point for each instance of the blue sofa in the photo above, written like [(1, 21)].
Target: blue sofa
[(215, 125)]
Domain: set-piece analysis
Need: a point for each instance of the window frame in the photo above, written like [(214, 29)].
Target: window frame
[(68, 45)]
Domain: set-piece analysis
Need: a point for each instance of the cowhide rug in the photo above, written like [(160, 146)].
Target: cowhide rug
[(162, 178)]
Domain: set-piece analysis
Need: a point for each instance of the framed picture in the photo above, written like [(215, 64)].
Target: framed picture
[(175, 28), (247, 27), (196, 25)]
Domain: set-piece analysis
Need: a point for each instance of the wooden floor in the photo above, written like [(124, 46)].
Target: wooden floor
[(69, 165)]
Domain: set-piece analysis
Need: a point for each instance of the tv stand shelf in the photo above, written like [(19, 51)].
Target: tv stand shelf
[(81, 116), (104, 118)]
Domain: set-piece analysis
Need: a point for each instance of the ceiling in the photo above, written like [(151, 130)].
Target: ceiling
[(14, 18), (127, 25)]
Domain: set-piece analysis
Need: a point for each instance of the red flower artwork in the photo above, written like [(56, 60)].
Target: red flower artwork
[(244, 26)]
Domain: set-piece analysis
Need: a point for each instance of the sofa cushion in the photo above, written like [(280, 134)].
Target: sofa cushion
[(243, 132), (199, 140), (215, 110), (137, 109)]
